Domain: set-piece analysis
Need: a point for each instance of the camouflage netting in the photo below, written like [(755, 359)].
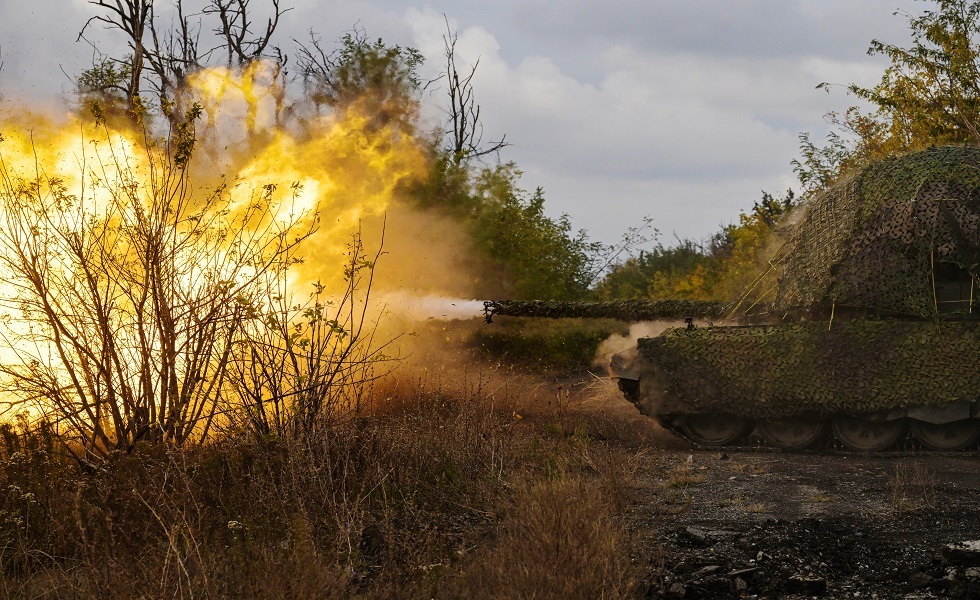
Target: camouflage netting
[(854, 367), (875, 239), (624, 310)]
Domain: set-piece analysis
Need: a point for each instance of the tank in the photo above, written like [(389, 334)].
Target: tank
[(863, 327)]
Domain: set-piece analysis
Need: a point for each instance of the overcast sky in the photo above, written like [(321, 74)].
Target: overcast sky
[(679, 110)]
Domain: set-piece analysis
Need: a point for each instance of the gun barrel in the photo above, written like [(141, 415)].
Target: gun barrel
[(623, 310)]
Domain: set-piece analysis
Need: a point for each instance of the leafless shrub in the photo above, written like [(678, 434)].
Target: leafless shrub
[(912, 487), (127, 294), (303, 366)]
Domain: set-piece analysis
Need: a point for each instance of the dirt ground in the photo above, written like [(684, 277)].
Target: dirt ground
[(760, 524), (754, 522)]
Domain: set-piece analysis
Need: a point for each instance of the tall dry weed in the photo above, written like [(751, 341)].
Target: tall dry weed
[(561, 540), (912, 487)]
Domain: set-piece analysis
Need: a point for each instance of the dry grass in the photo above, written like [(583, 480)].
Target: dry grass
[(734, 501), (821, 498), (675, 501), (912, 487), (437, 495), (684, 475), (561, 540), (749, 468)]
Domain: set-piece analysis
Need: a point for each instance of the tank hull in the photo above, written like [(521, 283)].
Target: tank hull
[(786, 377)]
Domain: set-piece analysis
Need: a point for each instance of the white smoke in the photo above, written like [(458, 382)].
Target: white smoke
[(430, 307)]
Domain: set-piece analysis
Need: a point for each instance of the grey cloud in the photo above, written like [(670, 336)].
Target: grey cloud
[(751, 28), (574, 32)]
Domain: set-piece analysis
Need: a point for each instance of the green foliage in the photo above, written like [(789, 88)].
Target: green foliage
[(819, 166), (719, 270), (929, 95), (184, 137), (104, 88), (770, 210), (373, 66), (663, 272), (542, 255), (568, 344), (378, 80), (931, 92), (527, 254), (106, 78)]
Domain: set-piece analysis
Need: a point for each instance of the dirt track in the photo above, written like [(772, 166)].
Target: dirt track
[(758, 524)]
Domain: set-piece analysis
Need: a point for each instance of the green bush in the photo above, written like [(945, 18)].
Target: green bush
[(550, 344)]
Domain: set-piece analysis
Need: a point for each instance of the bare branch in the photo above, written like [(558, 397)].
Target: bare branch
[(164, 56), (131, 309), (466, 130), (236, 30)]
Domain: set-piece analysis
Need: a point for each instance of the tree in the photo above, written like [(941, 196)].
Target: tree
[(107, 81), (465, 129), (235, 29), (722, 268), (676, 271), (542, 258), (379, 81), (163, 58), (931, 92), (130, 17), (928, 95)]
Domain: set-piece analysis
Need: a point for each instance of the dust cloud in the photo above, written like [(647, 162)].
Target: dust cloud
[(617, 343)]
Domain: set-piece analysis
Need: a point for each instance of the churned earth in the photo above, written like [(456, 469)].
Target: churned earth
[(753, 523)]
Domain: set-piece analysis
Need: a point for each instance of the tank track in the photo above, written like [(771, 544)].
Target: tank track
[(831, 447)]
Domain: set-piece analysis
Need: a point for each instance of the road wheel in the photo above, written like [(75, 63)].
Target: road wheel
[(863, 435), (947, 436), (716, 429), (794, 433)]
